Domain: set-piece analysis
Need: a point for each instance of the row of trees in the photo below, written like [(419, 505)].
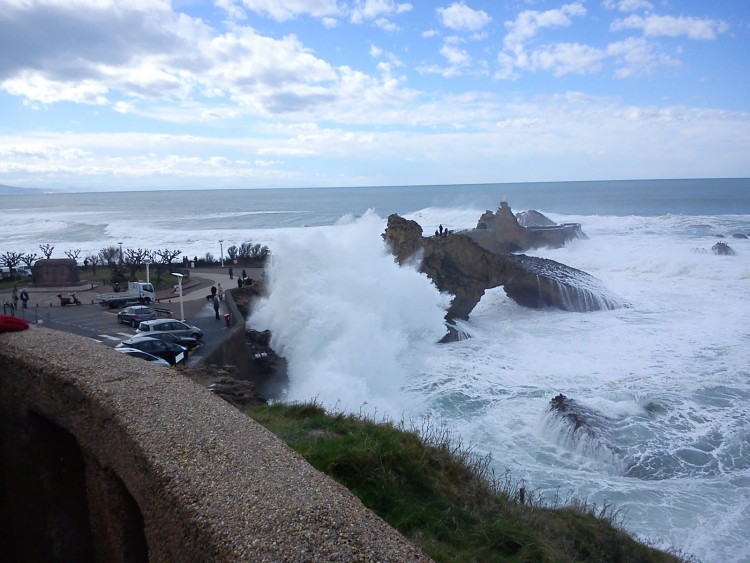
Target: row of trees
[(132, 260)]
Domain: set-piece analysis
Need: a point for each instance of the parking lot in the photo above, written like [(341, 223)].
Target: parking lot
[(100, 323)]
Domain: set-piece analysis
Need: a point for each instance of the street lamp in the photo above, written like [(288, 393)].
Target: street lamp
[(179, 282), (221, 252)]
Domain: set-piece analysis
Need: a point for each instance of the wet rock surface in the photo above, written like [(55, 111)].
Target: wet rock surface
[(461, 267)]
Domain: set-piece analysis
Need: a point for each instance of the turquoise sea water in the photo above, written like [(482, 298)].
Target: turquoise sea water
[(669, 374)]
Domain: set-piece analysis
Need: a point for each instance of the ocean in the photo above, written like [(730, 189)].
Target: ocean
[(667, 379)]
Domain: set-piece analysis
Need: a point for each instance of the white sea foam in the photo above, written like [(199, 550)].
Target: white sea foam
[(349, 320)]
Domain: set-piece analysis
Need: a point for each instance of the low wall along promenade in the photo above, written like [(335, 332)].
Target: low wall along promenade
[(104, 457)]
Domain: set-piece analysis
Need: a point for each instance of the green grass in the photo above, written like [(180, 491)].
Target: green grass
[(444, 498)]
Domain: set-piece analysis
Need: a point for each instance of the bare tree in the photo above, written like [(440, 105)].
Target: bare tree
[(73, 254), (135, 259), (165, 259), (94, 260), (46, 250), (233, 252), (109, 256), (254, 253), (11, 259), (29, 259)]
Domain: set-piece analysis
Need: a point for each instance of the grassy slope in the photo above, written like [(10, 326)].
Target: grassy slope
[(443, 498)]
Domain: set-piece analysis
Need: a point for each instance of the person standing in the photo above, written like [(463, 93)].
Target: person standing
[(220, 291), (231, 273), (25, 298), (216, 306), (14, 293)]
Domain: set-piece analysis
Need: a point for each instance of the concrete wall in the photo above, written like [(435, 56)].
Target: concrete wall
[(104, 457)]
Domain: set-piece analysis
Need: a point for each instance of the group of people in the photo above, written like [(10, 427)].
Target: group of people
[(23, 295), (441, 232), (241, 280)]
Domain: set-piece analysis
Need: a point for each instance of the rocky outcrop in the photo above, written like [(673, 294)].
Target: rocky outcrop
[(463, 268), (504, 232), (722, 249)]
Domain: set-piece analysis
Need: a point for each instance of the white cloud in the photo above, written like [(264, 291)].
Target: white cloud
[(377, 9), (232, 9), (670, 26), (560, 58), (529, 22), (128, 58), (36, 87), (283, 10), (567, 58), (456, 57), (463, 138), (460, 17), (385, 24), (628, 5), (635, 56)]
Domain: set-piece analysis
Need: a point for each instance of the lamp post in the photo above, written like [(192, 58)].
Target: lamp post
[(221, 252), (179, 282), (148, 277), (120, 253)]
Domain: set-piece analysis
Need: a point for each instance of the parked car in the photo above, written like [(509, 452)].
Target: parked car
[(187, 341), (134, 352), (19, 272), (169, 325), (135, 315), (173, 353), (23, 272)]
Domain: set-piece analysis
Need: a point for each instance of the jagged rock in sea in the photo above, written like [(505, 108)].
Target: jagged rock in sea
[(504, 232), (739, 235), (722, 249), (463, 268)]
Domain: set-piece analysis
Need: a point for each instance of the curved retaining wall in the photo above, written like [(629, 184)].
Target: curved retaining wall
[(108, 458)]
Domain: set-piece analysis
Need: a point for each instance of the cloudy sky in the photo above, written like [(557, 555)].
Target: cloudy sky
[(140, 94)]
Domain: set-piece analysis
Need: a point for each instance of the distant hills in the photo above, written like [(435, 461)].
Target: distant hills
[(12, 190)]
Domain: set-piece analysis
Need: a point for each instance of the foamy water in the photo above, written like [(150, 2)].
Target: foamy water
[(668, 375)]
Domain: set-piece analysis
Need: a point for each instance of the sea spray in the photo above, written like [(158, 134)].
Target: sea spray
[(350, 321)]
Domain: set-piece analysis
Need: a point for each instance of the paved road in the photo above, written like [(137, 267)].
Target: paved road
[(93, 321)]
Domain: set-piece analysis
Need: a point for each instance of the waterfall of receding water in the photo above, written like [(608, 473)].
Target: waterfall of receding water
[(576, 290)]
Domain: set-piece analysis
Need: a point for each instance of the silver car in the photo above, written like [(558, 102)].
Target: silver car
[(135, 353), (179, 328)]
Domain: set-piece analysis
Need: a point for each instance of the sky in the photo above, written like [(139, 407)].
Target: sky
[(184, 94)]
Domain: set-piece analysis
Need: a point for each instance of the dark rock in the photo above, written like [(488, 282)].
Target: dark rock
[(267, 369), (504, 232), (463, 268), (577, 416), (739, 235), (533, 218), (722, 249), (225, 383), (237, 392)]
